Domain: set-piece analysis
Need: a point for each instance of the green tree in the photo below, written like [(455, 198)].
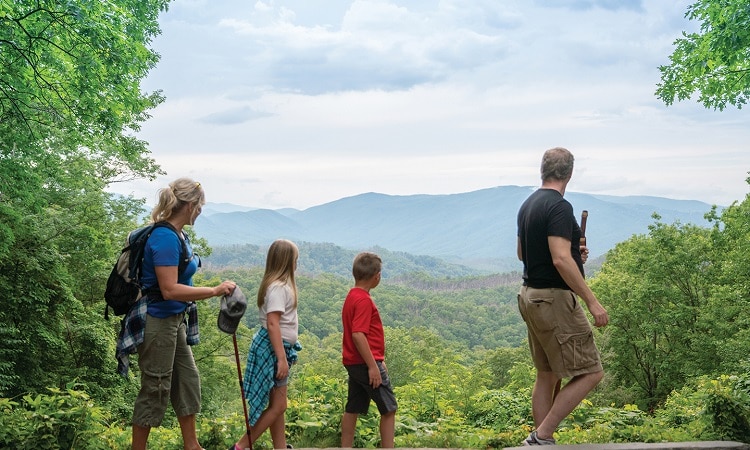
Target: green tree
[(500, 361), (730, 298), (410, 349), (70, 102), (656, 289), (320, 301), (715, 62)]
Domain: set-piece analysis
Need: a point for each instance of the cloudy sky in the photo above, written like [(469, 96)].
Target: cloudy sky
[(295, 103)]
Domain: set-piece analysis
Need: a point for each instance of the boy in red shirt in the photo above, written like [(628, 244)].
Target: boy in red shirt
[(363, 351)]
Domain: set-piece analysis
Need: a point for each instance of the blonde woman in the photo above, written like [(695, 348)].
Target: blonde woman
[(163, 324), (274, 347)]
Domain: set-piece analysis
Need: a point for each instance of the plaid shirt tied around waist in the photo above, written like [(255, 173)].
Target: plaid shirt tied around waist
[(260, 372), (133, 327)]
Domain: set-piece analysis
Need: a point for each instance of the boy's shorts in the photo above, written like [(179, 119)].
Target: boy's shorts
[(361, 392), (560, 335)]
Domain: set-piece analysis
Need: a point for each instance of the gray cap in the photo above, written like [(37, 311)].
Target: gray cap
[(232, 309)]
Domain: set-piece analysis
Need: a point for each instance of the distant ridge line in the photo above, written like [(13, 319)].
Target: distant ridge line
[(475, 228)]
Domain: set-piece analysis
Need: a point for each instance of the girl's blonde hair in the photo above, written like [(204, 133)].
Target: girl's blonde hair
[(280, 265), (171, 199)]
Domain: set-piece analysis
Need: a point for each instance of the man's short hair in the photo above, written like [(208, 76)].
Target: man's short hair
[(366, 265), (557, 164)]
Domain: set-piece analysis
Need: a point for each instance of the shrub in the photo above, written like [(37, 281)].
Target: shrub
[(500, 409), (727, 409), (59, 420)]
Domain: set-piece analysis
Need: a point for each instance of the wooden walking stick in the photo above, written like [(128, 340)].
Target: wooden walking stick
[(242, 391), (584, 216)]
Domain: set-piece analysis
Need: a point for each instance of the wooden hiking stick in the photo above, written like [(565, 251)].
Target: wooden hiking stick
[(584, 216), (242, 391)]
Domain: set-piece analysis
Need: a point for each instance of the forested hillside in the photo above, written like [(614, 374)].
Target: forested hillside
[(470, 313), (318, 258)]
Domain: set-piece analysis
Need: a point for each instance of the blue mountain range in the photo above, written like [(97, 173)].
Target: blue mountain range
[(477, 229)]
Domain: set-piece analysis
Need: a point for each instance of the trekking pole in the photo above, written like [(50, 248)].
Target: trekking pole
[(242, 390)]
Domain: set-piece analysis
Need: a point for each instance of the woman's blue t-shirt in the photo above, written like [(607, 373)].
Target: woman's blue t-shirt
[(163, 248)]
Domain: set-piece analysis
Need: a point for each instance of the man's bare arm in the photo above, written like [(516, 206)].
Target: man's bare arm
[(568, 269)]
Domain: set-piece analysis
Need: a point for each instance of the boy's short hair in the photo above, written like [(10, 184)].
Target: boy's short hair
[(366, 265)]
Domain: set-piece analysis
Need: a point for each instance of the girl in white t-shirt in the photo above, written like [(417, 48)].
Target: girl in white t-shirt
[(274, 346)]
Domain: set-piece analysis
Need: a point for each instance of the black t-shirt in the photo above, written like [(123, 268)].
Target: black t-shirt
[(546, 213)]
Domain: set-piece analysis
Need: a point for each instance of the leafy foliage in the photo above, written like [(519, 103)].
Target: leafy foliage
[(76, 67), (70, 99), (715, 62), (657, 334), (60, 419), (730, 296), (684, 316), (446, 404), (476, 312), (728, 409)]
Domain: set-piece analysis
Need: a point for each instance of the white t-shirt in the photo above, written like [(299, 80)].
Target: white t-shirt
[(279, 298)]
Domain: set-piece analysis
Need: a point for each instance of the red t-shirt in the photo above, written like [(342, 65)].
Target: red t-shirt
[(360, 315)]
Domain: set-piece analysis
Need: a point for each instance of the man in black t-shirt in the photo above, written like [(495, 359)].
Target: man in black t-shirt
[(560, 336)]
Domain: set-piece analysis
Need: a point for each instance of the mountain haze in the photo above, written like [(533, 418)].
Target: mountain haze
[(474, 228)]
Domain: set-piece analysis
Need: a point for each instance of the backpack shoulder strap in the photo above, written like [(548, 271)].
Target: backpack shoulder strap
[(184, 254), (185, 257), (136, 242)]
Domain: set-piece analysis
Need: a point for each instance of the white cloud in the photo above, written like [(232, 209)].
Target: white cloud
[(279, 103)]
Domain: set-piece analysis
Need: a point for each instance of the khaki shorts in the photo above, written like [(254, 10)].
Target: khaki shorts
[(560, 335), (168, 372)]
